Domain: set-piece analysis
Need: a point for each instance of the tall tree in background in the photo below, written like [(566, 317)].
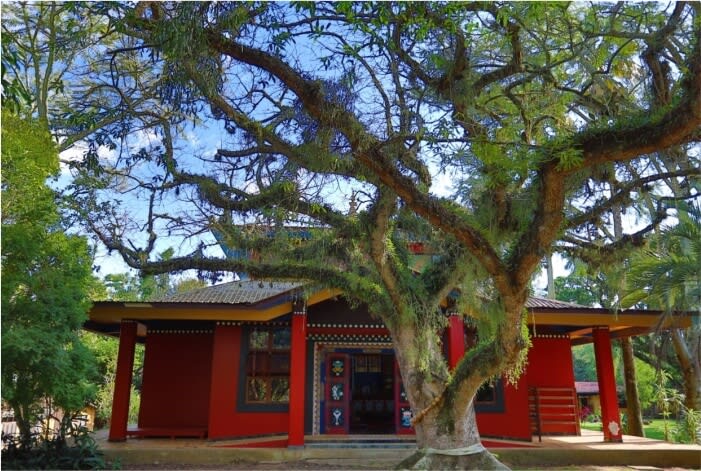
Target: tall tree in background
[(668, 277), (46, 276), (48, 48), (530, 110)]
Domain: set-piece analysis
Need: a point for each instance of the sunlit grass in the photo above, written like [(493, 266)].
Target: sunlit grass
[(654, 430)]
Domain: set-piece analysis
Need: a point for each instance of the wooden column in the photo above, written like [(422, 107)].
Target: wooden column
[(298, 363), (122, 382), (610, 414), (456, 338)]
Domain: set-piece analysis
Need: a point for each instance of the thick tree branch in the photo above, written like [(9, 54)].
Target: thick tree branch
[(663, 128), (368, 152)]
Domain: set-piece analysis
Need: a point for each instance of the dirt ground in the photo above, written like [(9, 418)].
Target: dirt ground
[(307, 465)]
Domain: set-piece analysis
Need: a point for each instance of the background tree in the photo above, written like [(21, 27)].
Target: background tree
[(49, 48), (46, 274), (530, 109), (668, 277)]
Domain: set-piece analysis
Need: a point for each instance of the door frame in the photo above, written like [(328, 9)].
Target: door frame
[(323, 348)]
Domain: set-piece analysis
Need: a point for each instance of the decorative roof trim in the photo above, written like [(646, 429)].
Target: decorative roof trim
[(552, 336), (346, 326), (349, 338), (265, 323), (180, 331)]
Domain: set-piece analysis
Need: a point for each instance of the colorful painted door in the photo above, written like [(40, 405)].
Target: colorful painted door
[(337, 396), (402, 410)]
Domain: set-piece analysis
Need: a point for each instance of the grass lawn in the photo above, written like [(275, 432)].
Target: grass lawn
[(654, 429)]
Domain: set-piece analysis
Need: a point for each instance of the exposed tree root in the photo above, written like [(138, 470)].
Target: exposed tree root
[(422, 459)]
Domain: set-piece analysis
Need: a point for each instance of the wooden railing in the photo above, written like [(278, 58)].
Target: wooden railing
[(553, 411)]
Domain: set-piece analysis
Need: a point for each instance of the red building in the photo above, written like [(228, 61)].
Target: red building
[(250, 358)]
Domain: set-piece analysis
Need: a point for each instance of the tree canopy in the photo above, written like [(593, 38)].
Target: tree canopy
[(46, 276)]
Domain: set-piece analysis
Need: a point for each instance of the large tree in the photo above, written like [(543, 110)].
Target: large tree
[(47, 47), (46, 277), (530, 110)]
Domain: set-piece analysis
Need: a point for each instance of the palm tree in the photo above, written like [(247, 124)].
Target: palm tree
[(667, 276)]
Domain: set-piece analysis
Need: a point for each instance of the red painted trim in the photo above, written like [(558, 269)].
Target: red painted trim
[(456, 339), (298, 363), (122, 382), (610, 414), (344, 403)]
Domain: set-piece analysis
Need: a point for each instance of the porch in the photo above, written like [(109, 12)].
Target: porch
[(351, 452)]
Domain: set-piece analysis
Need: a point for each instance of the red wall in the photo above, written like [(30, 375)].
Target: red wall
[(550, 366), (513, 422), (224, 419), (177, 377), (192, 380), (550, 363)]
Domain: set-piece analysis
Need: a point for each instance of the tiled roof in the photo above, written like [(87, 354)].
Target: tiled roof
[(253, 291), (235, 292), (543, 303)]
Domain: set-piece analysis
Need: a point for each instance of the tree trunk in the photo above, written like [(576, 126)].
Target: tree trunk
[(551, 277), (23, 421), (459, 449), (690, 365), (446, 433), (635, 416)]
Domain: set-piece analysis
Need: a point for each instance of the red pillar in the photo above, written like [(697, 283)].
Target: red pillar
[(122, 382), (610, 415), (298, 363), (456, 338)]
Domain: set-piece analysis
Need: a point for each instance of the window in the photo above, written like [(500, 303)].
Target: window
[(490, 397), (268, 366), (486, 394)]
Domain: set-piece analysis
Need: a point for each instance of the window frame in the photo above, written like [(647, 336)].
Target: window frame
[(497, 404), (243, 402)]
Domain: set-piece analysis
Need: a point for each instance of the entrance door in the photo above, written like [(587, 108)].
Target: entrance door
[(337, 393), (372, 394)]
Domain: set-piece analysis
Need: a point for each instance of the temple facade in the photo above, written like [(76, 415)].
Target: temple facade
[(256, 359)]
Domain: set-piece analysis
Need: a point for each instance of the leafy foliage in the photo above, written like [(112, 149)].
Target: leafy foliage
[(46, 277), (72, 448), (667, 276)]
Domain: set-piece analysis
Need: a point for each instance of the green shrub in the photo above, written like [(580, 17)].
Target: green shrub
[(72, 448), (688, 429)]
